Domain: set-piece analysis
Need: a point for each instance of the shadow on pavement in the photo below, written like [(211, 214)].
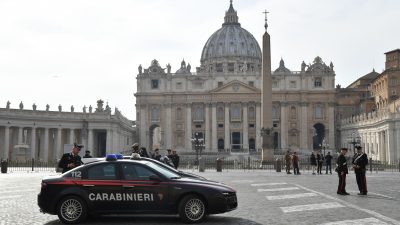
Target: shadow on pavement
[(168, 220)]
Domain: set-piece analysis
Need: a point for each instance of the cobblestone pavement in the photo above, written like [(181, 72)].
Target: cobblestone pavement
[(264, 198)]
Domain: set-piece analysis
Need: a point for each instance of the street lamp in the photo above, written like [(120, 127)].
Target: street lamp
[(355, 140), (198, 143), (324, 145)]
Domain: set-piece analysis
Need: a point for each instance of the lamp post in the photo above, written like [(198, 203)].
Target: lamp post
[(198, 143), (355, 140), (324, 145)]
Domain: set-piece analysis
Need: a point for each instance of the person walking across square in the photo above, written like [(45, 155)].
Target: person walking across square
[(313, 162), (328, 163)]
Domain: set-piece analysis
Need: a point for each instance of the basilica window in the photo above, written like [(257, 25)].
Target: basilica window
[(155, 114), (179, 114), (219, 67), (236, 112), (275, 112), (275, 84), (293, 112), (220, 113), (178, 85), (292, 84), (154, 84), (198, 85), (318, 82), (231, 67), (252, 113), (198, 113), (318, 112)]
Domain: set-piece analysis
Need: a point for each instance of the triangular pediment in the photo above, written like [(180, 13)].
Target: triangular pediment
[(235, 86)]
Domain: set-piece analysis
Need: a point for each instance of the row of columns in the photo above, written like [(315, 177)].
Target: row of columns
[(381, 144), (33, 138)]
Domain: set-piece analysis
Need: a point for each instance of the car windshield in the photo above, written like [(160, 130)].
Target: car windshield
[(167, 173)]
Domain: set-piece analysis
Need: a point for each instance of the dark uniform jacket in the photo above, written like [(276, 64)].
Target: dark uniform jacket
[(328, 159), (175, 160), (313, 160), (342, 164), (360, 160), (68, 158)]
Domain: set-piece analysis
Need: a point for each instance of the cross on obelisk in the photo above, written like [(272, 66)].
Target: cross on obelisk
[(266, 19)]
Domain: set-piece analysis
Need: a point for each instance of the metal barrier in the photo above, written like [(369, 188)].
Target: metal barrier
[(31, 166)]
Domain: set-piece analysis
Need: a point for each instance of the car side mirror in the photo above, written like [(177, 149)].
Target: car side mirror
[(155, 178)]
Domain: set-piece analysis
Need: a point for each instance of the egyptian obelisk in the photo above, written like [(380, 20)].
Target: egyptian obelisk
[(266, 96)]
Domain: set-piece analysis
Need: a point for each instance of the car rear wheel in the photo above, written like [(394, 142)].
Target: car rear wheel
[(192, 209), (71, 210)]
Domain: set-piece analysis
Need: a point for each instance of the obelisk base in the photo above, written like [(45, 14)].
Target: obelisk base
[(267, 150)]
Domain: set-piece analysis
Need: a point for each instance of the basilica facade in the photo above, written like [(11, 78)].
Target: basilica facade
[(220, 101)]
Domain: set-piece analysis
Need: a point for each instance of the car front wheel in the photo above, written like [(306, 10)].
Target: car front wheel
[(192, 209), (71, 210)]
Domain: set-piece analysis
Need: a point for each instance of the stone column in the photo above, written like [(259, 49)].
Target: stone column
[(90, 140), (380, 145), (397, 149), (33, 142), (6, 142), (214, 124), (304, 127), (46, 145), (207, 127), (59, 149), (227, 128), (188, 136), (71, 136), (20, 130), (258, 126), (109, 141), (390, 145), (331, 125), (284, 126), (143, 127), (245, 128), (168, 126)]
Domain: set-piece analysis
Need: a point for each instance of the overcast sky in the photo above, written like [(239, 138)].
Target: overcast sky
[(78, 51)]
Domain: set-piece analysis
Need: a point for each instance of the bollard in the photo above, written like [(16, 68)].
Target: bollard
[(4, 166), (370, 165), (278, 165), (202, 165), (33, 164), (219, 165)]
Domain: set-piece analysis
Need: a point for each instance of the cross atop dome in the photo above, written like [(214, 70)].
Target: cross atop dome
[(231, 16)]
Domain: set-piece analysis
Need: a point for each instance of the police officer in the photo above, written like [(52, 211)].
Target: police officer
[(71, 160), (360, 161), (156, 154), (87, 154), (175, 159), (287, 160), (342, 170)]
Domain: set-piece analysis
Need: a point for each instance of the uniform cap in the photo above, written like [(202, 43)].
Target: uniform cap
[(135, 145), (78, 146)]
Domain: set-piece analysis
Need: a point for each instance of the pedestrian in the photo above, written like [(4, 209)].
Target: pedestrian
[(287, 160), (169, 153), (143, 152), (320, 161), (295, 160), (135, 148), (175, 159), (156, 154), (328, 163), (359, 165), (342, 170), (72, 159), (87, 154), (313, 162)]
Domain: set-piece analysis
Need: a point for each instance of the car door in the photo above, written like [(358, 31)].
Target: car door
[(143, 195), (103, 187)]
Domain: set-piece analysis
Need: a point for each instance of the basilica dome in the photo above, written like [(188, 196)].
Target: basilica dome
[(231, 43)]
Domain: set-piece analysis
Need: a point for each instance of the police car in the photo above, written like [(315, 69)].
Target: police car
[(127, 186)]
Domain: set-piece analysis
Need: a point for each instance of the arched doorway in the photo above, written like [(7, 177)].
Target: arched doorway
[(318, 136), (154, 137)]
